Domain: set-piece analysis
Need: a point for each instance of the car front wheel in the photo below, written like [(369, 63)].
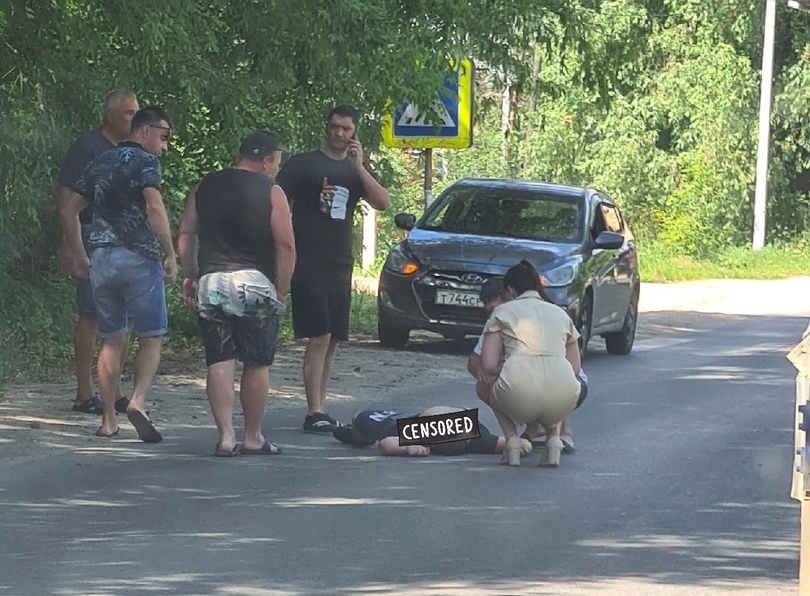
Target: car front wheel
[(392, 337), (585, 323), (621, 342)]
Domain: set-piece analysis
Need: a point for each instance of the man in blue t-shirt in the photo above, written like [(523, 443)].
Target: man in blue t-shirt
[(130, 227), (119, 109)]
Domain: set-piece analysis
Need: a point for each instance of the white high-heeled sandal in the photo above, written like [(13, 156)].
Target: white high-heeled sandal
[(551, 452), (511, 452)]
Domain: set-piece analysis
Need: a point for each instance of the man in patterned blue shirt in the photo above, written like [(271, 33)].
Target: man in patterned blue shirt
[(129, 230)]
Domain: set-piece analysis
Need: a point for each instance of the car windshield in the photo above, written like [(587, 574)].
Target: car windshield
[(511, 213)]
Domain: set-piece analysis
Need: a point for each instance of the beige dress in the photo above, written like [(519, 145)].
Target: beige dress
[(536, 383)]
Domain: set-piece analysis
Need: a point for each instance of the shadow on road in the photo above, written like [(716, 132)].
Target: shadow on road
[(681, 479)]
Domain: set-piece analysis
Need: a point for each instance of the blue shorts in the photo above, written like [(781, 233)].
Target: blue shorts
[(128, 288)]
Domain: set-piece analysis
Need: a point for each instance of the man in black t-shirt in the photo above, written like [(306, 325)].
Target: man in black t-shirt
[(119, 109), (324, 187)]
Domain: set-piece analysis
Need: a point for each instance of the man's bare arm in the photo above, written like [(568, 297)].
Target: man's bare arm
[(474, 364), (390, 446), (159, 219), (187, 238), (64, 255), (71, 206), (61, 195), (375, 194), (282, 230)]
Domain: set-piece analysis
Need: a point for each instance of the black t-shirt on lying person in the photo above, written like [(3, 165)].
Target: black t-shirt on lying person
[(322, 236)]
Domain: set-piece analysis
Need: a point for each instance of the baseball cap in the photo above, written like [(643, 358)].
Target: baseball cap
[(259, 143)]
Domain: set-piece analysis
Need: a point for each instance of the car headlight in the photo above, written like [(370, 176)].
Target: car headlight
[(401, 263), (561, 275)]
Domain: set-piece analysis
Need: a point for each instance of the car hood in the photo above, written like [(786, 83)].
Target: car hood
[(484, 253)]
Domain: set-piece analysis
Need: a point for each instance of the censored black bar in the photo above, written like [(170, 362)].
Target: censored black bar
[(441, 428)]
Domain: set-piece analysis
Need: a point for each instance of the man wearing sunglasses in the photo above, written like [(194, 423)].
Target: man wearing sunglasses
[(129, 229)]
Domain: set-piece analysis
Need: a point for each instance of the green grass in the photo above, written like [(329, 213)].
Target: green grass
[(733, 263)]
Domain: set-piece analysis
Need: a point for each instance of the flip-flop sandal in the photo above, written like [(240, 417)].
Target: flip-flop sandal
[(89, 406), (115, 433), (146, 429), (237, 450), (121, 405), (266, 449)]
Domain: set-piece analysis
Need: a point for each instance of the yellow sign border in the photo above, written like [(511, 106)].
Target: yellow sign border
[(464, 139)]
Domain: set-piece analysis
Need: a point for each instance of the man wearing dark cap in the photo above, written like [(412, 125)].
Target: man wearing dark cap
[(238, 279)]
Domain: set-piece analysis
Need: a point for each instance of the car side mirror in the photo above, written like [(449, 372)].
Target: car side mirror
[(609, 241), (405, 221)]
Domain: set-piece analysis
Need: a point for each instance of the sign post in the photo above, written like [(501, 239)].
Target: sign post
[(409, 126), (428, 177)]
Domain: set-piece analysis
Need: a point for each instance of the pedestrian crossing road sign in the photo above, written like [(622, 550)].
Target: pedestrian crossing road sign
[(409, 127)]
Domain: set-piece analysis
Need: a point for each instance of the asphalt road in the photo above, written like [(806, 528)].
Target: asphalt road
[(680, 485)]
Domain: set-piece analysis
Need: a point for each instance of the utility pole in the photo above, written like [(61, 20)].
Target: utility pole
[(761, 190), (428, 153)]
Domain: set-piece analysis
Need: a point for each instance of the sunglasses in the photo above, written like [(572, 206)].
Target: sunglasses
[(168, 130)]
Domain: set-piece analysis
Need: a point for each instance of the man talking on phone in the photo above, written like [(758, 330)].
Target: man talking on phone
[(325, 187)]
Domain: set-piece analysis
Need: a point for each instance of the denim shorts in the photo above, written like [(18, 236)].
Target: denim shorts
[(128, 288)]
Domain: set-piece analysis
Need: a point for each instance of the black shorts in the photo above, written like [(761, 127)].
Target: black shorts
[(321, 299), (485, 444), (250, 339)]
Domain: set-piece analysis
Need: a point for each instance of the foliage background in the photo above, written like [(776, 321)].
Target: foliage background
[(653, 101)]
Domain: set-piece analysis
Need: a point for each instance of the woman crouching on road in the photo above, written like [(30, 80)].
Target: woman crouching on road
[(530, 362)]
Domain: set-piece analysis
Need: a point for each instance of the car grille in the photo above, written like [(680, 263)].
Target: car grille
[(426, 288)]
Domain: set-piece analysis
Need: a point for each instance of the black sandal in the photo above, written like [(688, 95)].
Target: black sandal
[(89, 406), (121, 405)]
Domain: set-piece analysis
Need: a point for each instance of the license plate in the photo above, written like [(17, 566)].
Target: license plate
[(468, 299)]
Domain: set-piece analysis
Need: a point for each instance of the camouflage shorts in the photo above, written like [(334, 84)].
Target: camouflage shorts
[(239, 317), (245, 294)]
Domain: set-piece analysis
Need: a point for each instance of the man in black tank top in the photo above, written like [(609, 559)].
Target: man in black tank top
[(325, 187), (238, 280)]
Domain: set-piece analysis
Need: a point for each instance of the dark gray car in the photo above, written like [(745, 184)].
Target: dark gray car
[(478, 228)]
